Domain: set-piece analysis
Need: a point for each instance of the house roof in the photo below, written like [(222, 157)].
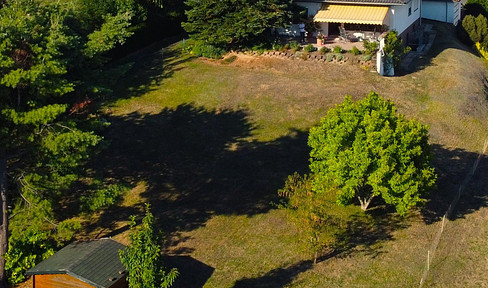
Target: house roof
[(95, 262), (367, 2)]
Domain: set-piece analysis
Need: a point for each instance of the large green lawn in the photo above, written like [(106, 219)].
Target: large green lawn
[(208, 144)]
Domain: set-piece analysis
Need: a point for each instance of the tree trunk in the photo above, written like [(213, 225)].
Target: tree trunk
[(315, 257), (3, 216), (365, 202)]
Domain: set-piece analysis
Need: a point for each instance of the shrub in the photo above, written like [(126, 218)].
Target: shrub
[(370, 47), (103, 198), (309, 48), (25, 253), (477, 29), (294, 46), (324, 50), (277, 46), (339, 56), (394, 49), (285, 47), (329, 57), (337, 49), (206, 50), (366, 57), (262, 47), (355, 51)]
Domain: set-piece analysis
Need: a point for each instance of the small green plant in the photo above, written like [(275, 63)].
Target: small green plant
[(294, 46), (329, 57), (285, 47), (370, 47), (309, 48), (324, 50), (261, 47), (304, 56), (355, 51), (206, 50), (366, 57), (277, 46), (339, 56), (337, 49)]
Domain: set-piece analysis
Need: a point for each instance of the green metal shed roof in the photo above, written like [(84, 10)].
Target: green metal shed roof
[(95, 262)]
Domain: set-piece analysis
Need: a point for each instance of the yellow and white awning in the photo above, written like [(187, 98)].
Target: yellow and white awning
[(355, 14)]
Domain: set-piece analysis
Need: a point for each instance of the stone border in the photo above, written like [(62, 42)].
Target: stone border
[(313, 56)]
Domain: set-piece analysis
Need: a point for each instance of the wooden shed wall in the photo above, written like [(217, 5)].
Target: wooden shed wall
[(121, 283), (58, 281)]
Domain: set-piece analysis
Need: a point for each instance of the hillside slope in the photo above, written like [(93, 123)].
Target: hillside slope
[(209, 144)]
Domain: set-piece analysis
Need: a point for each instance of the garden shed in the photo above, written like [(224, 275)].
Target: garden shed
[(82, 264)]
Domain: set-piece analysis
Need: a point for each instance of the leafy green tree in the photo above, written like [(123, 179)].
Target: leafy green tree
[(312, 213), (234, 23), (366, 149), (143, 258)]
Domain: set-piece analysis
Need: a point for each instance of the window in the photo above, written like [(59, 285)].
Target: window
[(410, 7)]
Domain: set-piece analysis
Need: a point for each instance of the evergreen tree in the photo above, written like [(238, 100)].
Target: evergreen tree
[(234, 23), (49, 56)]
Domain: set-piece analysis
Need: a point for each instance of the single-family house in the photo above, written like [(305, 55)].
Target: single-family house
[(82, 264), (365, 18)]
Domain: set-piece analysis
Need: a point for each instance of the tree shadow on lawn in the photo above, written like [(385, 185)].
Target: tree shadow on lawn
[(452, 166), (445, 38), (193, 273), (143, 71), (364, 234), (276, 278), (197, 163)]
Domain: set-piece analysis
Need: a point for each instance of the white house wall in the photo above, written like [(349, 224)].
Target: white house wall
[(399, 19), (312, 8), (439, 11)]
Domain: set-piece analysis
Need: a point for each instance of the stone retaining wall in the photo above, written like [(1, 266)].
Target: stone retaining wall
[(315, 56)]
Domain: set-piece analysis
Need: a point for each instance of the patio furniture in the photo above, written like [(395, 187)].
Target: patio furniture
[(359, 35), (343, 34), (346, 36)]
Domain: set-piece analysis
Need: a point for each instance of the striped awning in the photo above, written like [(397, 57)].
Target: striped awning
[(355, 14)]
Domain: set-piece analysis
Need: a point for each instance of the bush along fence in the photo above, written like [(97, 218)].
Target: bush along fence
[(433, 247)]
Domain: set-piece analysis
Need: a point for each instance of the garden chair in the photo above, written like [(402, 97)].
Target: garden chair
[(343, 35)]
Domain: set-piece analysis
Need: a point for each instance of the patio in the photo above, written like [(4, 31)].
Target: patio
[(333, 41)]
